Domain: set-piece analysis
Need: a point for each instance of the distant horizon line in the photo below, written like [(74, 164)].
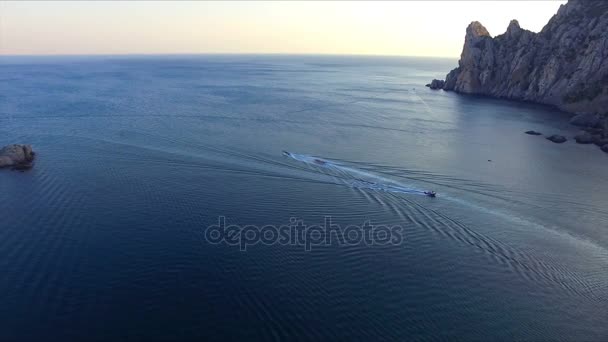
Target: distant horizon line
[(220, 54)]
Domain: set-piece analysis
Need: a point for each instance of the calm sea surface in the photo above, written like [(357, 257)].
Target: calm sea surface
[(137, 156)]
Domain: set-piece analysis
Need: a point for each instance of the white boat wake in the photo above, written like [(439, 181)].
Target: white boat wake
[(358, 178)]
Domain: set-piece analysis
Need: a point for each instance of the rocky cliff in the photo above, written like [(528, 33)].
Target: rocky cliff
[(565, 65)]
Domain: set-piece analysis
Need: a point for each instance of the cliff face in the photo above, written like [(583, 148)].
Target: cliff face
[(566, 64)]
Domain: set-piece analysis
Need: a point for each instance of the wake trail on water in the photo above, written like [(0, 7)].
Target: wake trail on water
[(520, 262), (426, 105), (354, 177)]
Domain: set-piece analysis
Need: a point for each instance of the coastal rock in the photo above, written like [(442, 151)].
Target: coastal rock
[(592, 130), (436, 84), (562, 65), (590, 120), (16, 156), (533, 133), (583, 138), (558, 139), (600, 140)]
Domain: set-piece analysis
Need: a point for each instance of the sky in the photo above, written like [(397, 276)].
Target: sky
[(408, 28)]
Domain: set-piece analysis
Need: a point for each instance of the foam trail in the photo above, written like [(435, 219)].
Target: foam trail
[(385, 187), (373, 182), (428, 108)]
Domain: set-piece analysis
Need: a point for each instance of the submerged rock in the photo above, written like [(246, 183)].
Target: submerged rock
[(557, 138), (583, 138), (23, 167), (17, 156), (533, 133)]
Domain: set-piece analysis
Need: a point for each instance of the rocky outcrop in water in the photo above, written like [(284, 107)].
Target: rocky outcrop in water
[(436, 84), (558, 139), (600, 140), (566, 64), (583, 138), (19, 157), (588, 120)]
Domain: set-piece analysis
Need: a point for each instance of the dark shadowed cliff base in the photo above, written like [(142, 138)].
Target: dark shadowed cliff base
[(564, 65)]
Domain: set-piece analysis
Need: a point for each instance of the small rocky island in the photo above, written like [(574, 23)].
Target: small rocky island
[(16, 156), (564, 65)]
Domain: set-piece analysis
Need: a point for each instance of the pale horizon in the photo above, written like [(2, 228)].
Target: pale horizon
[(416, 29)]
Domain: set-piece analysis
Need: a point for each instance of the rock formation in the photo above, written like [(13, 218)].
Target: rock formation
[(436, 84), (589, 120), (19, 157), (583, 138), (558, 139), (600, 140), (566, 64), (533, 133)]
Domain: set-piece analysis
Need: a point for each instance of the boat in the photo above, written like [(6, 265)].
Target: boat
[(430, 193)]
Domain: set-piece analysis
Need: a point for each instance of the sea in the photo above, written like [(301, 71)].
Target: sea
[(161, 182)]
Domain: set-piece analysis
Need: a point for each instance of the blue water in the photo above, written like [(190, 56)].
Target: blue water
[(136, 156)]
